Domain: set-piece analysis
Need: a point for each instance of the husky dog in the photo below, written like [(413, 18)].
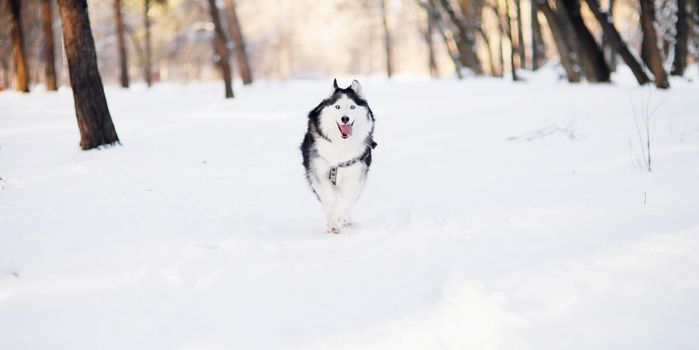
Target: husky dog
[(337, 151)]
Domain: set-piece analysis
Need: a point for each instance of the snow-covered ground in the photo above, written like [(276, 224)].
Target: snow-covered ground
[(477, 229)]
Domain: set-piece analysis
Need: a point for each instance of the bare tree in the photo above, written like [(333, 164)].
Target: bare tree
[(679, 62), (508, 29), (429, 42), (17, 34), (609, 52), (454, 54), (5, 79), (49, 48), (495, 7), (239, 41), (596, 68), (94, 120), (221, 49), (4, 70), (538, 48), (617, 43), (559, 39), (121, 45), (650, 52), (464, 41), (148, 66), (387, 39), (520, 35)]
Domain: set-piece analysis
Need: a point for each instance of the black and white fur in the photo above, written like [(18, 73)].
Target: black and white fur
[(327, 150)]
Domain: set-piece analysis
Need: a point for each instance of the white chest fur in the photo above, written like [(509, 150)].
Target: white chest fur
[(340, 151)]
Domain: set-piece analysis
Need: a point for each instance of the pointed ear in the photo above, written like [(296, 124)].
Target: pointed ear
[(335, 84), (357, 88)]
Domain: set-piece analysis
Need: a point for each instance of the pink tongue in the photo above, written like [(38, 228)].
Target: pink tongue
[(346, 129)]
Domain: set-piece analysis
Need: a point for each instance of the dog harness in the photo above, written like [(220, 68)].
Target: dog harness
[(333, 171)]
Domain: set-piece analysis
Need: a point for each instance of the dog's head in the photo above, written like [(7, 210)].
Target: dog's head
[(344, 115)]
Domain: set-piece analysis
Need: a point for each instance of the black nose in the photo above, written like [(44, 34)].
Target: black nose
[(345, 119)]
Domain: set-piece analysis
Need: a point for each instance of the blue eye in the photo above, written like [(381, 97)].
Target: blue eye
[(353, 107), (337, 106)]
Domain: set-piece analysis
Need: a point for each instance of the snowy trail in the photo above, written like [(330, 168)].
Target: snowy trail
[(199, 232)]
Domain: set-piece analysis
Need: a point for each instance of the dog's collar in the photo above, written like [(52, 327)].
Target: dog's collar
[(332, 175)]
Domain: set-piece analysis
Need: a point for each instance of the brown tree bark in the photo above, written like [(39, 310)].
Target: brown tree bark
[(16, 32), (596, 68), (239, 41), (429, 42), (5, 79), (570, 36), (148, 66), (679, 62), (508, 23), (491, 56), (650, 52), (431, 7), (501, 53), (221, 49), (94, 120), (3, 71), (559, 38), (465, 41), (387, 39), (49, 47), (538, 48), (121, 45), (617, 43), (520, 36), (609, 53)]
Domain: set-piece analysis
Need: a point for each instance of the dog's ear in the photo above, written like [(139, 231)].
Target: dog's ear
[(335, 87), (357, 88)]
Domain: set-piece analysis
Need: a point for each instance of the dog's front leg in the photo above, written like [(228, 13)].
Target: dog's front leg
[(326, 194), (351, 185)]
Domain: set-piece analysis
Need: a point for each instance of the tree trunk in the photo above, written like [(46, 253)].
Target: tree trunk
[(609, 53), (5, 76), (501, 53), (49, 48), (538, 49), (431, 61), (596, 68), (147, 68), (239, 41), (3, 70), (617, 43), (559, 38), (4, 81), (508, 22), (221, 49), (121, 44), (21, 67), (679, 63), (520, 36), (94, 120), (465, 41), (431, 8), (570, 37), (649, 49), (491, 57), (387, 39)]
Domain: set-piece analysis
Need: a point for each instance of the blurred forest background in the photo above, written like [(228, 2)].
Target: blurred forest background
[(195, 40), (171, 40)]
